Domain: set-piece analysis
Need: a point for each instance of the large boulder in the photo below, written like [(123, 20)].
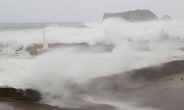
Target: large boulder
[(20, 94)]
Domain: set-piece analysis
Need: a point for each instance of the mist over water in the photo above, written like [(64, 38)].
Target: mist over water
[(112, 31), (64, 74)]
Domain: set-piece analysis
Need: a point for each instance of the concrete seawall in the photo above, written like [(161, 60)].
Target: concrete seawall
[(157, 86), (81, 46), (133, 77)]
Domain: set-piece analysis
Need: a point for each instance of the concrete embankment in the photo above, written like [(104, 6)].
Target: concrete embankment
[(159, 87), (133, 77), (109, 83), (33, 49)]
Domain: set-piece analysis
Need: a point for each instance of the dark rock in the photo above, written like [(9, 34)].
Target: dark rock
[(166, 18), (20, 94), (19, 49)]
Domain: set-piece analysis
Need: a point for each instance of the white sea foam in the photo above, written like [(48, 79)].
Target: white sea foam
[(58, 74), (112, 31)]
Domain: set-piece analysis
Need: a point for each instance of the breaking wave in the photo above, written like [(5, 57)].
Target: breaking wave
[(60, 75), (109, 32)]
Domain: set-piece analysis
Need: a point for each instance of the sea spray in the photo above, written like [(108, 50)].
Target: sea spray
[(61, 75), (109, 32)]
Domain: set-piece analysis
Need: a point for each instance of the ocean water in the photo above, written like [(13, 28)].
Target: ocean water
[(13, 36), (136, 45)]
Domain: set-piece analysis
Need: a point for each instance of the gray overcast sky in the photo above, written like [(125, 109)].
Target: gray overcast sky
[(82, 10)]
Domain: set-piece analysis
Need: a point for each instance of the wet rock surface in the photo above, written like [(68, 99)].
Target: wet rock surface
[(19, 94), (11, 104)]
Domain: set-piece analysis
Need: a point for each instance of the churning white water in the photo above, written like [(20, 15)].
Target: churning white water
[(59, 75)]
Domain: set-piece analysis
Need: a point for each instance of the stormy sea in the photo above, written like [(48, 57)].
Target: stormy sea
[(94, 75)]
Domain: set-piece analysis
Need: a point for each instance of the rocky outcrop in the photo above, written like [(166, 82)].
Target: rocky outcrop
[(19, 94), (133, 16), (166, 18)]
